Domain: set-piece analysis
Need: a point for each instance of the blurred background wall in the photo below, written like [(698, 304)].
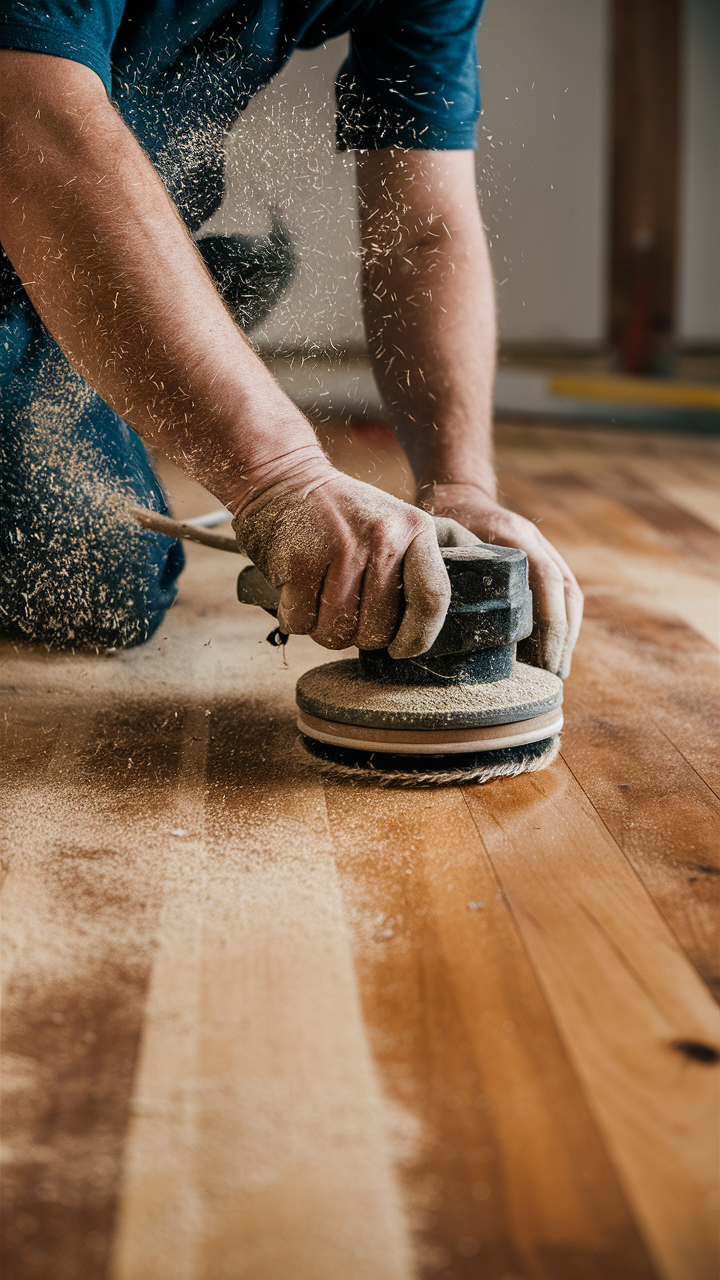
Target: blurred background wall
[(543, 177), (542, 164), (699, 283)]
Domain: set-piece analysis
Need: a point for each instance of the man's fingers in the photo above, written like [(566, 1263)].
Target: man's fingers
[(383, 587), (427, 595), (557, 598), (298, 607), (451, 534), (553, 638), (346, 554), (337, 617), (551, 623), (574, 603), (382, 601)]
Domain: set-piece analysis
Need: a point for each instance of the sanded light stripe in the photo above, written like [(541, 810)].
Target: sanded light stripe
[(262, 1144)]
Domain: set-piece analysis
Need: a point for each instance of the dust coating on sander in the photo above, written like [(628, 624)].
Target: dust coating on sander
[(339, 691)]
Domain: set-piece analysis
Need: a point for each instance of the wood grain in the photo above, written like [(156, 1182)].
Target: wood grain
[(514, 1176), (261, 1144), (79, 909), (624, 997), (612, 548), (644, 751), (645, 704)]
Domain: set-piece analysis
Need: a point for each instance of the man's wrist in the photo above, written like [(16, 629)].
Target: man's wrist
[(298, 470)]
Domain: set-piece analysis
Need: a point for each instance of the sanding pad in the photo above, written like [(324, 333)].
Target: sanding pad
[(421, 771), (340, 706)]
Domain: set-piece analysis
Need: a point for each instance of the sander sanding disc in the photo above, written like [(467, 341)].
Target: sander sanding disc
[(431, 741), (421, 771), (340, 706)]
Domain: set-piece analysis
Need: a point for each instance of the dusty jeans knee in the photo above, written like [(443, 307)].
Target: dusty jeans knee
[(77, 570)]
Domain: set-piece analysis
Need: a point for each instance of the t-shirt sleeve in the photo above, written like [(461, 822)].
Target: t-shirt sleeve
[(80, 30), (411, 77)]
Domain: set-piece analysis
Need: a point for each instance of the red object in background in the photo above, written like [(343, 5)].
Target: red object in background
[(637, 343), (646, 61)]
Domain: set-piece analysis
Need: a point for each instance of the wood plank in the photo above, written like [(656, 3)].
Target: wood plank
[(691, 484), (610, 547), (582, 511), (681, 531), (257, 1101), (465, 1040), (643, 745), (685, 470), (80, 906), (28, 735), (281, 1082), (623, 996), (650, 636), (158, 1198), (644, 692)]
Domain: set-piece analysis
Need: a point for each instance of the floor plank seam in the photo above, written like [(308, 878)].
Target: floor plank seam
[(570, 1057), (689, 763), (641, 882)]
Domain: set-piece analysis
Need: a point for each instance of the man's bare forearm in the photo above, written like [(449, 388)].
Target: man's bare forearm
[(115, 277), (430, 311)]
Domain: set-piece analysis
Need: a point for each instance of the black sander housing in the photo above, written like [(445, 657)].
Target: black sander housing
[(464, 711)]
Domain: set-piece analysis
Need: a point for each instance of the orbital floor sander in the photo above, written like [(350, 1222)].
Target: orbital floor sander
[(464, 711)]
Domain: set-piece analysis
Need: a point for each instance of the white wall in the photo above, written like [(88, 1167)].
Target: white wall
[(542, 177), (542, 164), (699, 285)]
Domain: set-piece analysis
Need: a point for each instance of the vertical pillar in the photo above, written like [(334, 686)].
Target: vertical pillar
[(644, 201)]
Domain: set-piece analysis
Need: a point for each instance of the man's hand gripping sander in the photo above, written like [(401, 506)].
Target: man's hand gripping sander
[(465, 711)]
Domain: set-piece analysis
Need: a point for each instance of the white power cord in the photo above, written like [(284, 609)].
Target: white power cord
[(189, 529), (211, 520)]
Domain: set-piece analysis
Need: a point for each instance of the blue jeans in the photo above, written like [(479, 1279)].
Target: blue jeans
[(77, 570)]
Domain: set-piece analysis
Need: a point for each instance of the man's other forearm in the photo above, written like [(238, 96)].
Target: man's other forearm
[(430, 310), (113, 274), (429, 305)]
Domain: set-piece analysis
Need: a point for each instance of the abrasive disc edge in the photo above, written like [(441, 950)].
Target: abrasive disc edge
[(420, 772), (431, 741), (339, 693)]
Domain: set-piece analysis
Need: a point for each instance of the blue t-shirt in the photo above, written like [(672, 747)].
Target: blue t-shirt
[(181, 71)]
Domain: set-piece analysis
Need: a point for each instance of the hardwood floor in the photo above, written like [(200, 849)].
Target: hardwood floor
[(261, 1027)]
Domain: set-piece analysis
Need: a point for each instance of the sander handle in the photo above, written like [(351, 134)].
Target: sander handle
[(252, 587)]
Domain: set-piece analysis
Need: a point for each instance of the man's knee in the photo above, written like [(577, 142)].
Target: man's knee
[(87, 592), (77, 569)]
